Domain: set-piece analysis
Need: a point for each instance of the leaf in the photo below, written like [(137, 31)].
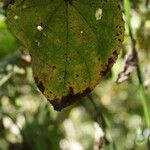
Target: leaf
[(72, 43)]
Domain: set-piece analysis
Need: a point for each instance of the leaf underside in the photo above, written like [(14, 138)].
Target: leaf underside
[(72, 43)]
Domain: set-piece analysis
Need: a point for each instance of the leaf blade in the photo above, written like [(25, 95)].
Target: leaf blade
[(71, 48)]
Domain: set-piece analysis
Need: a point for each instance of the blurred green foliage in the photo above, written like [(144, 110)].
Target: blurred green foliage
[(27, 121), (7, 42)]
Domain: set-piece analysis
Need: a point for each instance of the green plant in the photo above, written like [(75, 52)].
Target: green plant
[(72, 43)]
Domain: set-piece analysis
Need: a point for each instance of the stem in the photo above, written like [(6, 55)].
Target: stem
[(98, 116), (102, 119), (144, 98)]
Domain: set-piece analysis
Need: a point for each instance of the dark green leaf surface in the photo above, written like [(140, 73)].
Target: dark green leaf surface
[(72, 43)]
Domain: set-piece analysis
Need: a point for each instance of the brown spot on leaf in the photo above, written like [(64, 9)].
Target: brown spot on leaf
[(70, 1), (115, 53), (68, 99), (77, 75), (36, 79), (71, 90), (39, 84), (11, 2), (54, 67), (119, 7), (119, 40), (111, 61), (117, 34), (103, 73), (99, 59)]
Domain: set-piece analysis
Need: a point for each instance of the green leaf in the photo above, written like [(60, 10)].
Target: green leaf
[(72, 43)]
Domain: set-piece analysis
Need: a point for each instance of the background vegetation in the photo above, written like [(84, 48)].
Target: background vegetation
[(27, 121)]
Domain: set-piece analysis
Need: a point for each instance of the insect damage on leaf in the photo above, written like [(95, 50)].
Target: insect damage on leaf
[(98, 14), (73, 43)]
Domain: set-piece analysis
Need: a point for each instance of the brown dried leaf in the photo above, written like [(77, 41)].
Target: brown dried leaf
[(131, 61)]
